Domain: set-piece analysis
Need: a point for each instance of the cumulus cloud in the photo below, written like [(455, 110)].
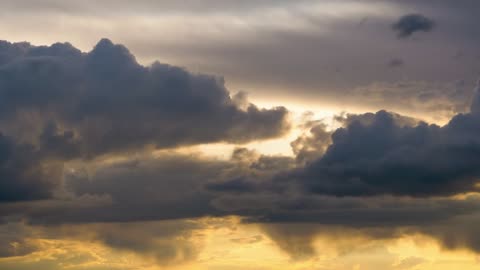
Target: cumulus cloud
[(90, 111), (59, 104), (108, 102), (409, 24), (384, 157)]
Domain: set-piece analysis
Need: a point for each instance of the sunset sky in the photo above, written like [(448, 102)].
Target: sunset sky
[(239, 134)]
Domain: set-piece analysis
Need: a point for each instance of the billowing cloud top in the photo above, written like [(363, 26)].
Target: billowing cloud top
[(105, 101), (60, 104)]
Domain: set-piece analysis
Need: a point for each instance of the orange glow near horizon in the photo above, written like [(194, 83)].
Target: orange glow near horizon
[(224, 243)]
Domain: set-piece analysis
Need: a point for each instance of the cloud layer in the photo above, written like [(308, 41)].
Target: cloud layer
[(59, 104), (89, 139)]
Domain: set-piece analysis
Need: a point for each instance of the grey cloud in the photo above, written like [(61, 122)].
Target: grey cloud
[(361, 176), (296, 240), (446, 220), (166, 242), (313, 145), (172, 186), (465, 234), (408, 24), (234, 185), (169, 186), (101, 102), (386, 158), (107, 102), (165, 187), (61, 104), (26, 173)]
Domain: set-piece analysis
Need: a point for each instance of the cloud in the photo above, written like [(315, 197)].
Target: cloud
[(161, 242), (25, 173), (386, 157), (168, 242), (310, 146), (97, 113), (437, 102), (177, 186), (170, 186), (409, 24), (109, 103), (59, 104), (273, 57), (234, 185), (296, 240)]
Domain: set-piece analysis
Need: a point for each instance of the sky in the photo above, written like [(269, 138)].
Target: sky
[(222, 134)]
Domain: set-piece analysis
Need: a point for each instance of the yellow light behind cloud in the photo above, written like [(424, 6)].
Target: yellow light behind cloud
[(229, 244)]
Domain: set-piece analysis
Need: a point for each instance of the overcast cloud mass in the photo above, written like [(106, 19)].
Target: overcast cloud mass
[(239, 134)]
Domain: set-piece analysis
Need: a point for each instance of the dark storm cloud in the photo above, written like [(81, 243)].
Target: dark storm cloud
[(64, 105), (25, 173), (385, 157), (106, 102), (148, 188), (172, 186), (408, 24), (61, 104), (384, 175)]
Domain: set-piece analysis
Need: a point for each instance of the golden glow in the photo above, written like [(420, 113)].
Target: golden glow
[(226, 243)]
